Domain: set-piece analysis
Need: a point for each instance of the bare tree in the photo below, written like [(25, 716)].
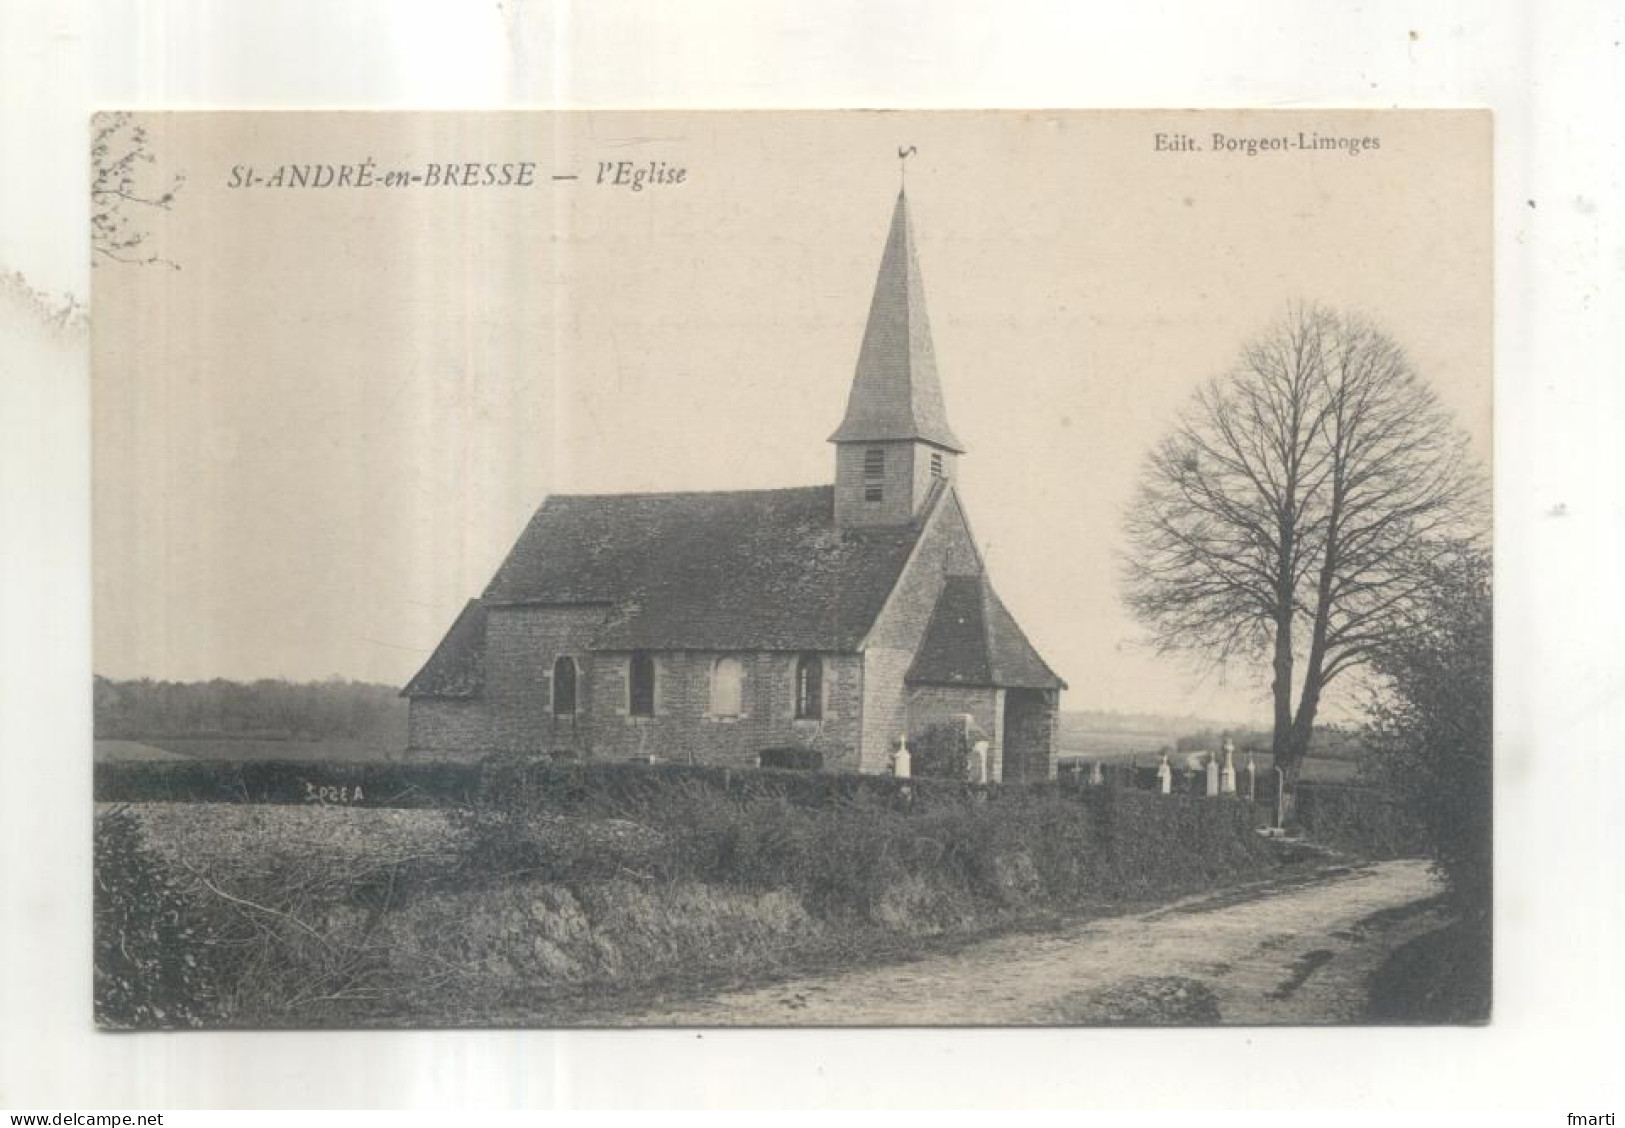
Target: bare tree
[(1295, 513), (120, 163)]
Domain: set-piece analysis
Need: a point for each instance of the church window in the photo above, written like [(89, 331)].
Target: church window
[(640, 685), (936, 465), (874, 473), (727, 687), (809, 687), (564, 686)]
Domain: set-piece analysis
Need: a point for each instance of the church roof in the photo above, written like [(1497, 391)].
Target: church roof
[(457, 666), (743, 570), (973, 640), (746, 570), (896, 393)]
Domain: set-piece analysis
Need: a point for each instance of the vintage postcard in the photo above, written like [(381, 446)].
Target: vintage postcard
[(792, 568)]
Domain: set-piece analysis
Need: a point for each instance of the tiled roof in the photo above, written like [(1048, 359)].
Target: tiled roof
[(896, 393), (973, 640), (457, 666), (749, 570)]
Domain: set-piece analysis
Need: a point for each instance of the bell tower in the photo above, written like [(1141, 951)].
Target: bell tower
[(894, 444)]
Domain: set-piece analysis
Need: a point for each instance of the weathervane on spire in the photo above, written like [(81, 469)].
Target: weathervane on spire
[(902, 163)]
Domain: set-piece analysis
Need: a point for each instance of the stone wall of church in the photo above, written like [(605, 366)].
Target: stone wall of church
[(685, 728), (447, 726), (945, 549), (885, 705), (906, 481), (521, 645)]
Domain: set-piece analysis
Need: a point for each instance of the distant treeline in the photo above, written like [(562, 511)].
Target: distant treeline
[(1191, 733), (1110, 720), (267, 709), (1328, 742)]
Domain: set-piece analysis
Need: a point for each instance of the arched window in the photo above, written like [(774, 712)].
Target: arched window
[(564, 686), (727, 687), (640, 685), (809, 687)]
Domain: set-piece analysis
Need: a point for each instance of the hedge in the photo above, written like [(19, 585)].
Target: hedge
[(543, 784), (1353, 818), (550, 785), (1360, 819)]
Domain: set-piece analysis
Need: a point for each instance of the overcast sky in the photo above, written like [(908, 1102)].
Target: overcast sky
[(321, 434)]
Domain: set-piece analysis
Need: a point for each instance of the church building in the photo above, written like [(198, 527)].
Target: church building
[(713, 627)]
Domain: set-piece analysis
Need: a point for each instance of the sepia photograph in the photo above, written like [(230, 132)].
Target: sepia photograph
[(792, 569)]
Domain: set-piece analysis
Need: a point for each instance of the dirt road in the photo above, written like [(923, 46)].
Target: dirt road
[(1295, 951)]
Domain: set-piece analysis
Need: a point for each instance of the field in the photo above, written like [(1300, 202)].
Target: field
[(133, 750), (232, 748)]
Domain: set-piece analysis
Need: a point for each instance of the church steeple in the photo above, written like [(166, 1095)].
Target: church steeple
[(896, 393), (894, 441)]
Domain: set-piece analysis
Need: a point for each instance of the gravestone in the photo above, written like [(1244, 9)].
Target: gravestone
[(978, 761), (902, 762)]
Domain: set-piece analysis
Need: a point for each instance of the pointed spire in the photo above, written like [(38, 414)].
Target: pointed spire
[(896, 393)]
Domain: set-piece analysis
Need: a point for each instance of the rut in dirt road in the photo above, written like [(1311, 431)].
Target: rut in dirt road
[(1297, 953)]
